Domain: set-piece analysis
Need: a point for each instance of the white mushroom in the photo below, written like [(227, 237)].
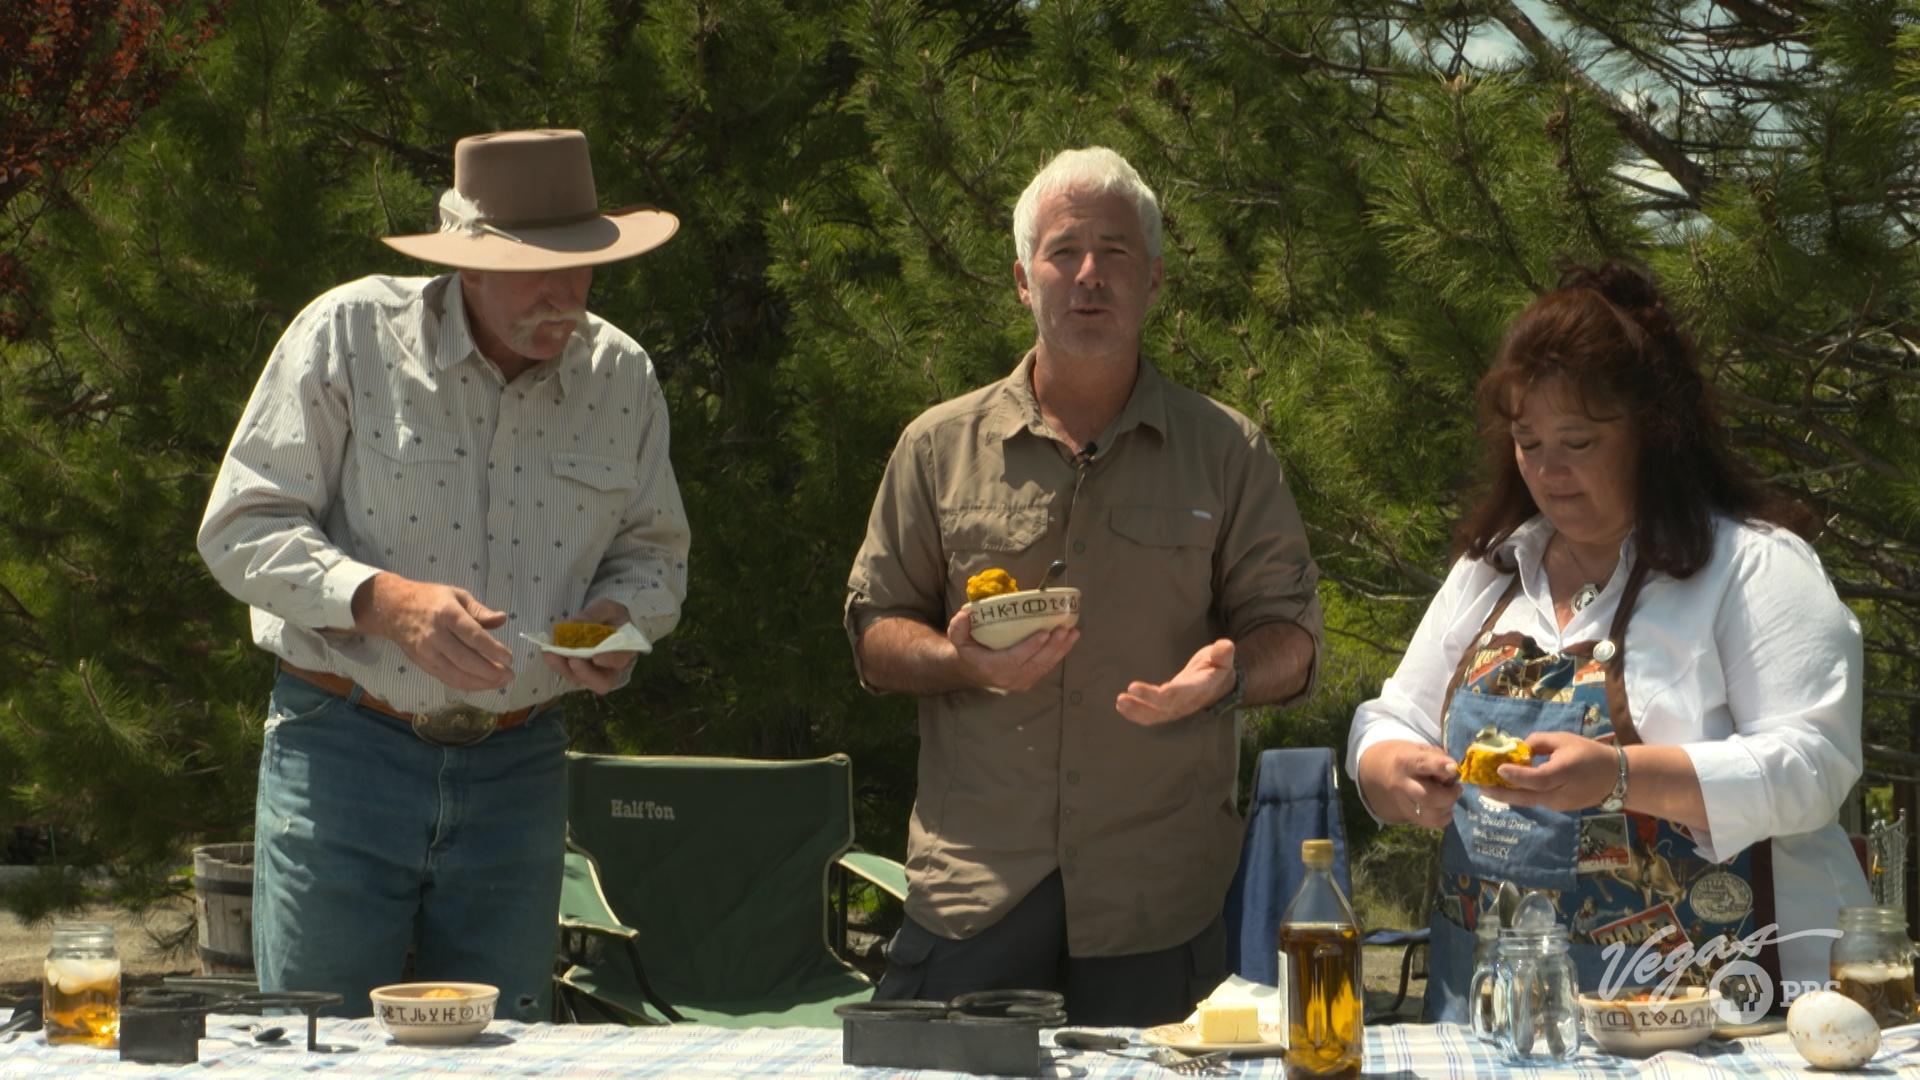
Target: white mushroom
[(1832, 1031)]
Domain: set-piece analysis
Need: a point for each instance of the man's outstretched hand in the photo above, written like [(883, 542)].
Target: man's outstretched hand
[(1206, 679)]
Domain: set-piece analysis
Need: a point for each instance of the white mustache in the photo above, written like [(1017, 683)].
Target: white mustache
[(526, 328)]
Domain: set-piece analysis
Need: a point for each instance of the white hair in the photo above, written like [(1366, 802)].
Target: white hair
[(1096, 169)]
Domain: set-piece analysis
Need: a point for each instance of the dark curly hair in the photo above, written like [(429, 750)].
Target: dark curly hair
[(1606, 332)]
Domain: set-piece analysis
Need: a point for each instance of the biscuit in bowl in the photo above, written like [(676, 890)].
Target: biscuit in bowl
[(992, 581)]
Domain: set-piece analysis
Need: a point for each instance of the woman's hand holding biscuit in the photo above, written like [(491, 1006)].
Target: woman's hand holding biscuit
[(1579, 772)]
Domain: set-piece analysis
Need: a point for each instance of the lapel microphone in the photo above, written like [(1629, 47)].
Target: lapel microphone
[(1085, 456)]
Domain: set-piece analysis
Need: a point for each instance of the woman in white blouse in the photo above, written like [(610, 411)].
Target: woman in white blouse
[(1653, 624)]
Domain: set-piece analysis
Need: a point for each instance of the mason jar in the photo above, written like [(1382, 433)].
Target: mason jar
[(80, 996), (1533, 1018), (1873, 962)]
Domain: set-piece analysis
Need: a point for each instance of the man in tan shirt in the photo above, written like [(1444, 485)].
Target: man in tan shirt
[(1076, 826)]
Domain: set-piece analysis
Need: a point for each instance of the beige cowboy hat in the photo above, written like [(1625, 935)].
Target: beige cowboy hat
[(524, 201)]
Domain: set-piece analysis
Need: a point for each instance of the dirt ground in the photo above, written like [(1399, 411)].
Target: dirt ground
[(144, 962), (23, 948)]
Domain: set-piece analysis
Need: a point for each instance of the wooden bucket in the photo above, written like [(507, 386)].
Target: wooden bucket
[(223, 907)]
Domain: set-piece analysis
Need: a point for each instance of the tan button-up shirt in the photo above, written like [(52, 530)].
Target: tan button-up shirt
[(1182, 531), (378, 438)]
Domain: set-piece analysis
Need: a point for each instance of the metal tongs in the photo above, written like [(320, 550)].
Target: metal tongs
[(1212, 1063), (25, 1018)]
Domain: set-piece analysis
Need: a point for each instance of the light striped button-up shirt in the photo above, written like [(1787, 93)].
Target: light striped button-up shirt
[(379, 438)]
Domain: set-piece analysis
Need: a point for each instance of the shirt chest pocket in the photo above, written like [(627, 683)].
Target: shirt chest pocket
[(1166, 527), (597, 481), (1169, 544), (405, 443), (978, 538)]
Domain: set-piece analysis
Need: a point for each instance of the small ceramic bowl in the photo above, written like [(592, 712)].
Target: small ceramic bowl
[(1637, 1028), (1001, 622), (435, 1013)]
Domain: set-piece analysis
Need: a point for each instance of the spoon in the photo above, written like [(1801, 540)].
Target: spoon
[(1057, 568), (1506, 900)]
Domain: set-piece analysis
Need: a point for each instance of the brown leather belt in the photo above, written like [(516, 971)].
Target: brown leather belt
[(458, 725)]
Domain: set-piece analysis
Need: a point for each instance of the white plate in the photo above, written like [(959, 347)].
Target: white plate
[(627, 638), (1186, 1038)]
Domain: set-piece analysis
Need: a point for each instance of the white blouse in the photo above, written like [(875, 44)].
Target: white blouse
[(1752, 665)]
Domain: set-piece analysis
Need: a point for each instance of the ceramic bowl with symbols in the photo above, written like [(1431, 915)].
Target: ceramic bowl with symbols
[(1640, 1024), (1001, 622), (435, 1013)]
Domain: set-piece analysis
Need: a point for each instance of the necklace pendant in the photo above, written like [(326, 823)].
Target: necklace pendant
[(1585, 595)]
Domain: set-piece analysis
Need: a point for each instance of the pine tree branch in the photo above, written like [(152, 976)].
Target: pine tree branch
[(936, 241), (1763, 15), (1851, 591), (1242, 24), (1381, 647), (1814, 419), (1469, 163), (1661, 195), (427, 164), (1693, 179)]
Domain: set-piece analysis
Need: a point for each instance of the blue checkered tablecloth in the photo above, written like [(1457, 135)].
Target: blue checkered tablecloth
[(509, 1049)]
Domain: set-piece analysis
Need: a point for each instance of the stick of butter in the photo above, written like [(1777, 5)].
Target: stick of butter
[(1229, 1023)]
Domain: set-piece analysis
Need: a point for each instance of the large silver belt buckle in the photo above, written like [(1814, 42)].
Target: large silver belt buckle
[(455, 725)]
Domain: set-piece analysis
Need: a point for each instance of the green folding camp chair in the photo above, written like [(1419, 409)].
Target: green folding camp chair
[(698, 888)]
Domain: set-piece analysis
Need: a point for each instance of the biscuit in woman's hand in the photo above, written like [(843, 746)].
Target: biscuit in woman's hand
[(1490, 749)]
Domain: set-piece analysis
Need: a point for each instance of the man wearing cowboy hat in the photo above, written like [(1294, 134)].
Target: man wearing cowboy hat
[(429, 472)]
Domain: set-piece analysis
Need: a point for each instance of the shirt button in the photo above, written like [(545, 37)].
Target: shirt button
[(1073, 777), (1079, 546), (1072, 851), (1073, 698)]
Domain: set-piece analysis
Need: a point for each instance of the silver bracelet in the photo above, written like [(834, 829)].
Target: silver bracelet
[(1616, 799)]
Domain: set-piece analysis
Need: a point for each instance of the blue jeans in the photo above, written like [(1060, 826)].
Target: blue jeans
[(368, 840)]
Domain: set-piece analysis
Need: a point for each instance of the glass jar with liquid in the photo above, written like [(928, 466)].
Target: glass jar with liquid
[(1321, 941), (1873, 963), (80, 995)]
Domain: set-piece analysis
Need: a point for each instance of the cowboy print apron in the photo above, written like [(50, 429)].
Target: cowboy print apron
[(1619, 878)]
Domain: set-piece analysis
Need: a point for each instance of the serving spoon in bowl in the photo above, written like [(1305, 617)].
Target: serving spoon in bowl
[(1053, 574)]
